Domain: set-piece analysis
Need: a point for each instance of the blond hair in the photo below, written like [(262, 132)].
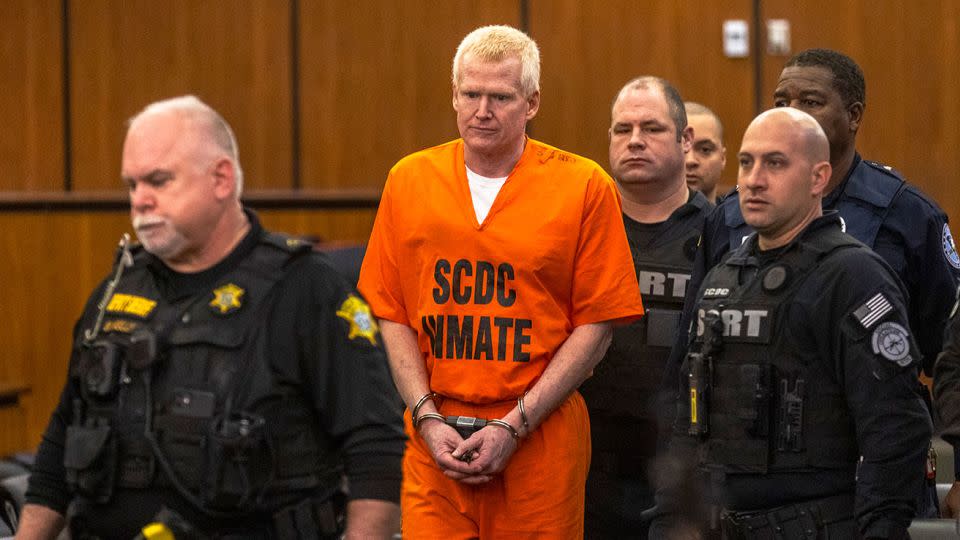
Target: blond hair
[(494, 44)]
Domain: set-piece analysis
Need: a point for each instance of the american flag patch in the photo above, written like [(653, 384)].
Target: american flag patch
[(871, 311)]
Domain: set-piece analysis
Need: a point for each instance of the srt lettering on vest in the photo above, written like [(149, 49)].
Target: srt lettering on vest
[(668, 284), (476, 337), (745, 324)]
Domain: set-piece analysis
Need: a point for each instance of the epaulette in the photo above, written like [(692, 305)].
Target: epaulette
[(722, 196), (286, 242), (886, 169)]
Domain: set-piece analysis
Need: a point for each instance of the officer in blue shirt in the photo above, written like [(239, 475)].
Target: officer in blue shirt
[(876, 206)]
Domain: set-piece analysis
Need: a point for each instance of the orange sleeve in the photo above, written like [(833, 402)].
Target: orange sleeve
[(605, 282), (380, 274)]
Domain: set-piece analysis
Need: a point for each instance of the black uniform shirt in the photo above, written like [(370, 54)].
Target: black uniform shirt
[(890, 419), (345, 377)]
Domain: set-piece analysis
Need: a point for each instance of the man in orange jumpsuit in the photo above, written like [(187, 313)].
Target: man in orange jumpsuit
[(496, 268)]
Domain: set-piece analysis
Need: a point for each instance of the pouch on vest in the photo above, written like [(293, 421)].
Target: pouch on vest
[(99, 369), (662, 327), (90, 458), (740, 418), (312, 519), (237, 461)]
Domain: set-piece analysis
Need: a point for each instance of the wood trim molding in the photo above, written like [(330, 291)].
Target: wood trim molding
[(10, 392), (92, 201)]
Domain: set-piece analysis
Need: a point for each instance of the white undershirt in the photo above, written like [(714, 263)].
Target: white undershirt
[(483, 191)]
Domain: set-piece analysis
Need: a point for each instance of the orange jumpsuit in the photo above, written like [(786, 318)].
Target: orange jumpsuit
[(491, 303)]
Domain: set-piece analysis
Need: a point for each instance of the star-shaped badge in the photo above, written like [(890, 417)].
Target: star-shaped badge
[(226, 299)]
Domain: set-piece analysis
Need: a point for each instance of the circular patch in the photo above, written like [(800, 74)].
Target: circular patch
[(891, 341), (949, 249), (775, 278)]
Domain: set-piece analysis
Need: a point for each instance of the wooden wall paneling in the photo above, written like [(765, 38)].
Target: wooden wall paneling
[(31, 102), (908, 54), (53, 262), (591, 48), (375, 82), (339, 226), (12, 430), (234, 55)]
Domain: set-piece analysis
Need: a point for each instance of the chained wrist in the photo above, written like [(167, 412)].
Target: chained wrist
[(523, 415), (505, 425), (427, 416), (423, 399)]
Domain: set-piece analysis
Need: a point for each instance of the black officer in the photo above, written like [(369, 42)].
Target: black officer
[(663, 217), (875, 203), (876, 206), (801, 362), (225, 378)]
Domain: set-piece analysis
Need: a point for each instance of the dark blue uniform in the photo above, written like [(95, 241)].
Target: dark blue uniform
[(815, 368)]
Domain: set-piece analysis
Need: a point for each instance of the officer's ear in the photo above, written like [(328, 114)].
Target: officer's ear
[(854, 115), (225, 178), (821, 176)]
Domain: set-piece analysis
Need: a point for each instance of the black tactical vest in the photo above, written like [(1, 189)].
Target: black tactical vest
[(183, 394), (772, 405), (625, 382)]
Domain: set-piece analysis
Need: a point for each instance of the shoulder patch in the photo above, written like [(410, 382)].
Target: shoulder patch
[(872, 310), (358, 315), (949, 248), (891, 341), (226, 299)]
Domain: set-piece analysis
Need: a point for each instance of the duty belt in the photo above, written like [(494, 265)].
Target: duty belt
[(789, 522)]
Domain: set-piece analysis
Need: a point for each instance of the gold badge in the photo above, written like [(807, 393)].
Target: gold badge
[(226, 299), (356, 312), (130, 304)]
